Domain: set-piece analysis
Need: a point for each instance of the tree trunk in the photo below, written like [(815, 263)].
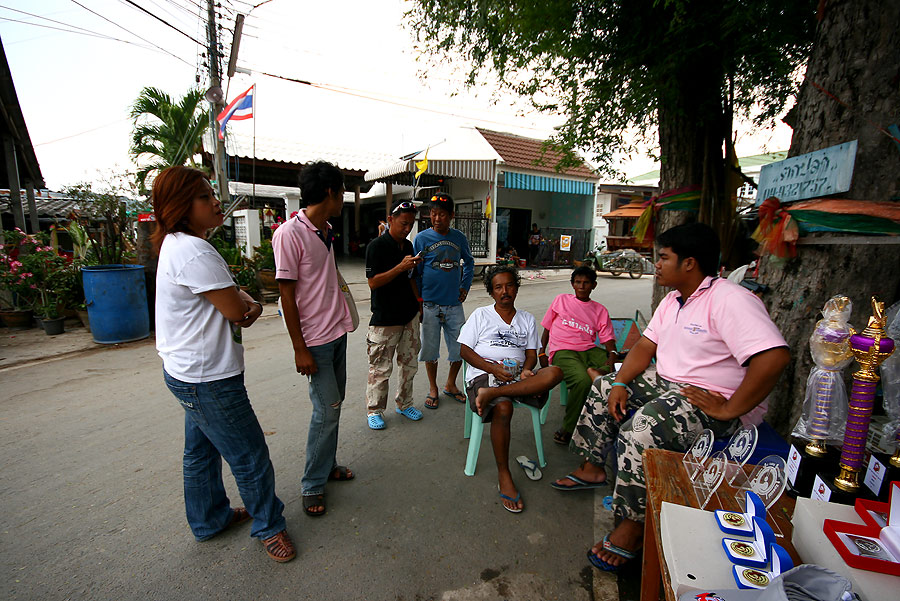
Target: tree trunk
[(856, 58)]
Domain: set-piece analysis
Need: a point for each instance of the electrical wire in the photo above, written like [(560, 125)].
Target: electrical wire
[(89, 34), (93, 12), (164, 22)]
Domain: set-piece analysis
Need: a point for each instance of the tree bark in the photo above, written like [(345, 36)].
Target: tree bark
[(856, 59)]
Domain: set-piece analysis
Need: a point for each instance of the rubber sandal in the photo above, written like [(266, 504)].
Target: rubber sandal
[(508, 498), (341, 473), (531, 468), (611, 548), (562, 437), (314, 501), (412, 413), (456, 396), (376, 422), (579, 484), (239, 515), (432, 402), (280, 547)]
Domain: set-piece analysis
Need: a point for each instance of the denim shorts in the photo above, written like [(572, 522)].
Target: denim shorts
[(438, 318)]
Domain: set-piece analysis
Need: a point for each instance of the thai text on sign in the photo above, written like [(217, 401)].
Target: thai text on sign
[(820, 173)]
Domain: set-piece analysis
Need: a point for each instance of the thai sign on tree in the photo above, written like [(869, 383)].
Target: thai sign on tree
[(820, 173)]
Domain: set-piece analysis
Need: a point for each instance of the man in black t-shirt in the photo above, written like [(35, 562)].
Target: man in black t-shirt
[(395, 316)]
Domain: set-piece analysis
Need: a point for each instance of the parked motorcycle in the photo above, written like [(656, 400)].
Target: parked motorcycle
[(616, 262)]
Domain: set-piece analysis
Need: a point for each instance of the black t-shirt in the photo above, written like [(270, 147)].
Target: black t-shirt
[(393, 304)]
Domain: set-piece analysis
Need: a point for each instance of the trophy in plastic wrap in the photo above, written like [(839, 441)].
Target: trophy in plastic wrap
[(870, 347), (825, 405), (890, 384)]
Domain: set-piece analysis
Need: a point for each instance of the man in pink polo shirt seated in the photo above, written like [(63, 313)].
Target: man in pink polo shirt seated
[(317, 319), (718, 356)]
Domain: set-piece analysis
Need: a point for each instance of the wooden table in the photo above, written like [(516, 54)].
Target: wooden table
[(667, 480)]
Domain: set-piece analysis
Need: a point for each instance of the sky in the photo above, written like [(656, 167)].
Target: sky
[(78, 66)]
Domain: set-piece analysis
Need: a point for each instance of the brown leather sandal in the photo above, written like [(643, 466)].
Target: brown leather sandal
[(239, 515), (280, 547)]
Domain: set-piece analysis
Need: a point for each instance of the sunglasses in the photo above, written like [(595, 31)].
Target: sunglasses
[(439, 199), (403, 206)]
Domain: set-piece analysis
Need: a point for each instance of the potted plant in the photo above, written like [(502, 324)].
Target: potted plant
[(54, 281), (264, 261), (17, 283)]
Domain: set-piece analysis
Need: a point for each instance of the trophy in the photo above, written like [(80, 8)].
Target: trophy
[(870, 347), (825, 405)]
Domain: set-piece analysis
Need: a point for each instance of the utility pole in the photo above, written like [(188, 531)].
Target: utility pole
[(215, 76)]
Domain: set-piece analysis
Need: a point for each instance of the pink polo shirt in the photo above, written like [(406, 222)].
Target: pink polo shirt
[(575, 325), (708, 340), (301, 255)]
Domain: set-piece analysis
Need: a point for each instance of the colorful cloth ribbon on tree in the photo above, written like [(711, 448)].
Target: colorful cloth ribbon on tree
[(780, 226), (680, 199)]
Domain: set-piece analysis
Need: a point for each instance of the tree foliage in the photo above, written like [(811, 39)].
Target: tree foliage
[(166, 132), (619, 66)]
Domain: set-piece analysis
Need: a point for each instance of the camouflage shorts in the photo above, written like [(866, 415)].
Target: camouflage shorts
[(381, 344), (657, 416)]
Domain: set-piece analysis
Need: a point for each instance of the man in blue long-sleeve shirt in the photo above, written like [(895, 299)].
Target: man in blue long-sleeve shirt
[(444, 285)]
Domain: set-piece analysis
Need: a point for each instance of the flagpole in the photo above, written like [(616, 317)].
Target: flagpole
[(253, 171)]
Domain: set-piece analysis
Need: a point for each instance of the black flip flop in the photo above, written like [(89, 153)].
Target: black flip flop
[(314, 501), (435, 401)]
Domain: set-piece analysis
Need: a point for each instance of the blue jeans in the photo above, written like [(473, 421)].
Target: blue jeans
[(219, 422), (326, 391), (437, 318)]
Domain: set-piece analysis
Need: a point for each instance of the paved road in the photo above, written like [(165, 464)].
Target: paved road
[(90, 486)]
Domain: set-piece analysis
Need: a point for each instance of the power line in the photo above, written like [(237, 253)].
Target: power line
[(131, 32), (164, 22), (81, 133), (87, 32)]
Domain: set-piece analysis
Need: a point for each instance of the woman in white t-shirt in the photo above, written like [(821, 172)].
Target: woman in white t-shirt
[(199, 315)]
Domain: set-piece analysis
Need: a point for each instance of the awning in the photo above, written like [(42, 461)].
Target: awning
[(544, 183), (464, 169), (632, 209)]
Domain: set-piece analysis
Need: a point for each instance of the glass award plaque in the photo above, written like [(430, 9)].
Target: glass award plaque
[(739, 450), (767, 480), (697, 453), (709, 478)]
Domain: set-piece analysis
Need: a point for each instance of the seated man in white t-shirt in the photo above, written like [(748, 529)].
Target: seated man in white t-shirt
[(718, 355), (491, 335)]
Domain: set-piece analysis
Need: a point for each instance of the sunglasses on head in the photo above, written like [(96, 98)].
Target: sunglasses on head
[(439, 198), (403, 206)]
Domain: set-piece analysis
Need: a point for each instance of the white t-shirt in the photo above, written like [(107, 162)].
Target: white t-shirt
[(195, 341), (493, 339)]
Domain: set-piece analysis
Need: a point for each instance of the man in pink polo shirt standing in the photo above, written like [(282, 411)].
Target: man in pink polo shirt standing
[(317, 319), (718, 356)]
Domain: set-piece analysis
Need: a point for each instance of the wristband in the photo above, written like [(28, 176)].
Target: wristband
[(622, 384), (260, 305), (542, 355)]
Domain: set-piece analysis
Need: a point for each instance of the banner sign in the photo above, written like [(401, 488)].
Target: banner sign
[(146, 217), (811, 175), (565, 243)]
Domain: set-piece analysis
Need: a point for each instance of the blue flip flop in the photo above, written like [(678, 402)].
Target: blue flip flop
[(508, 498), (411, 412), (376, 422), (610, 548), (579, 484)]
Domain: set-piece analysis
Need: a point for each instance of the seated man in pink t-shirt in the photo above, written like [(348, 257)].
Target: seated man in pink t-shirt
[(572, 325), (718, 355)]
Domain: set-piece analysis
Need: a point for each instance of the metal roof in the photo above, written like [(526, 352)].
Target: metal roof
[(300, 153), (461, 168), (632, 209)]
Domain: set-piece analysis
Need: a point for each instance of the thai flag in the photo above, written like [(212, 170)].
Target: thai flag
[(240, 108)]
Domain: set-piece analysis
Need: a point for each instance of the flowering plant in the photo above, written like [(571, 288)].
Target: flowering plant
[(36, 276)]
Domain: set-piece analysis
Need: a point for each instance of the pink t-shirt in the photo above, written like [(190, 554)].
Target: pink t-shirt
[(301, 255), (707, 341), (575, 325)]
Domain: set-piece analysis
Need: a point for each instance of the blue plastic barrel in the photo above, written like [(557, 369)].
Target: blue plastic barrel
[(116, 299)]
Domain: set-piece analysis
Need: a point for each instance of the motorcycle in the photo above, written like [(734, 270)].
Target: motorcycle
[(616, 262)]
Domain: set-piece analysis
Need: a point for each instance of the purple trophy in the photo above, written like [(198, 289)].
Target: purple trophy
[(870, 347)]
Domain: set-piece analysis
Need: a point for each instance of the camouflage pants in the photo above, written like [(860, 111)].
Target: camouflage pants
[(657, 417), (381, 343)]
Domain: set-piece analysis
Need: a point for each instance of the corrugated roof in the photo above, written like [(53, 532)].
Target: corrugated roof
[(527, 153), (300, 153)]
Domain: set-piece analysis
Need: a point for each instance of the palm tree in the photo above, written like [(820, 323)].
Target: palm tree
[(167, 132)]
